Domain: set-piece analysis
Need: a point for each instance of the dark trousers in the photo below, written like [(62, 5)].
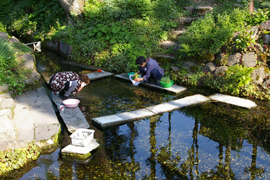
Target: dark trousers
[(154, 73)]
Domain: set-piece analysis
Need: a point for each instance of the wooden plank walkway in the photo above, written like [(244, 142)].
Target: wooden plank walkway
[(174, 88)]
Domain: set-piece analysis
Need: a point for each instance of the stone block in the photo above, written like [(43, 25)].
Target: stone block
[(7, 129), (27, 57), (79, 149), (233, 100), (3, 35), (4, 88), (99, 75), (29, 64), (6, 113), (161, 108), (7, 103), (249, 59), (13, 39), (46, 132), (26, 134), (190, 100)]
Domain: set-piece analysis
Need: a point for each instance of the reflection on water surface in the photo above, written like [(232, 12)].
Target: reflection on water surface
[(211, 141)]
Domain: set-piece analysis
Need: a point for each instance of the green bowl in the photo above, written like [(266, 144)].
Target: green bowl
[(131, 73), (166, 85)]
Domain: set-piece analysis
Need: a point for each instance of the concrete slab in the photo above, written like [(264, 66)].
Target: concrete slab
[(98, 75), (137, 114), (46, 132), (106, 121), (41, 108), (23, 116), (190, 100), (13, 144), (28, 134), (34, 114), (161, 108), (174, 88), (7, 129), (233, 100), (73, 117), (79, 149), (111, 119)]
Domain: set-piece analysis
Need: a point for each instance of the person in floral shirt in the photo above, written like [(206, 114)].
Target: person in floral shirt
[(68, 82)]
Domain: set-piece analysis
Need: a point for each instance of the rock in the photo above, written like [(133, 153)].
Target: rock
[(65, 49), (5, 95), (176, 33), (208, 57), (13, 39), (234, 59), (258, 75), (33, 79), (190, 9), (266, 84), (190, 66), (266, 25), (221, 71), (27, 57), (255, 32), (175, 68), (202, 10), (186, 20), (249, 60), (167, 44), (29, 64), (266, 38), (4, 88), (220, 59), (7, 103), (6, 113), (7, 129), (209, 67), (12, 144), (3, 35)]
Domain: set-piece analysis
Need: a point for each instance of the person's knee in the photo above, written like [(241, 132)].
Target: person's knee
[(156, 74)]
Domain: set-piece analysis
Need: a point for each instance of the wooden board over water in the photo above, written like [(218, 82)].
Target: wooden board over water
[(174, 88)]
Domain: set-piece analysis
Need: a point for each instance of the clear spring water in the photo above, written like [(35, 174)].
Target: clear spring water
[(211, 141)]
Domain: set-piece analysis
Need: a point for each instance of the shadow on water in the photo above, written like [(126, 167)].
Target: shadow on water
[(210, 141)]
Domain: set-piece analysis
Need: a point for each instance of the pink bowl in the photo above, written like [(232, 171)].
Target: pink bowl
[(71, 103)]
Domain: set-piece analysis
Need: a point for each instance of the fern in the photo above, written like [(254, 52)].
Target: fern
[(6, 53)]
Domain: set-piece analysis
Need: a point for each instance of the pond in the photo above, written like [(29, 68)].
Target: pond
[(210, 141)]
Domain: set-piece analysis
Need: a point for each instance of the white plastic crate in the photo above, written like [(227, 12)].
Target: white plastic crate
[(82, 137)]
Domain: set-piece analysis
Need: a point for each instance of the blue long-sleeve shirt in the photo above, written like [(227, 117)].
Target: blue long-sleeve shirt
[(150, 65)]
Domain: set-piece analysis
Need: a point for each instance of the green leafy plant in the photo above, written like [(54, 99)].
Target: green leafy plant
[(244, 40), (166, 79)]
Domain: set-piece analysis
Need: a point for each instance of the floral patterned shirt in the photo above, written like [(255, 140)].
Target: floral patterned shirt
[(59, 79)]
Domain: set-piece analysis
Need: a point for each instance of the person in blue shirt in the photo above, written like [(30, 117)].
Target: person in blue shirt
[(149, 68)]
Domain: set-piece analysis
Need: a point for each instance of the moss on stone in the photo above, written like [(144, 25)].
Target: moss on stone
[(77, 156)]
